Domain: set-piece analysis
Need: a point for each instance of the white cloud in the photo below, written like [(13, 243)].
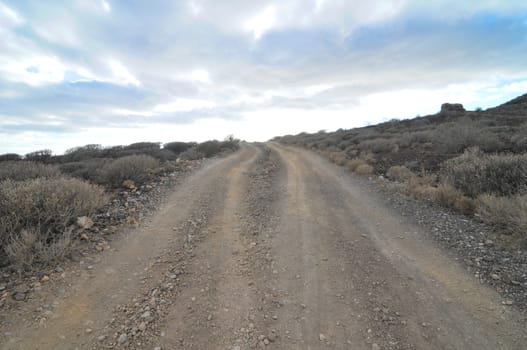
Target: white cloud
[(261, 23), (121, 74), (9, 17), (195, 8), (183, 105), (35, 70), (106, 6), (200, 75)]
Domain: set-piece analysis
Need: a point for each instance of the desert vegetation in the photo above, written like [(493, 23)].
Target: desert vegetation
[(44, 198), (473, 162)]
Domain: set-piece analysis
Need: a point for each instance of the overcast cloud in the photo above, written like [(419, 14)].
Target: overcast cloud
[(115, 72)]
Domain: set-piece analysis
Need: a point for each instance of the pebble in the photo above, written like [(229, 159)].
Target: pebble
[(122, 339), (322, 337), (375, 346), (236, 347), (101, 337), (157, 348), (495, 276)]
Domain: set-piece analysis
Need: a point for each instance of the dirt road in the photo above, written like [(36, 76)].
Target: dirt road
[(271, 247)]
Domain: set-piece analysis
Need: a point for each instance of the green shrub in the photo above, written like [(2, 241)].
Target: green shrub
[(137, 168), (24, 170), (36, 215), (477, 173)]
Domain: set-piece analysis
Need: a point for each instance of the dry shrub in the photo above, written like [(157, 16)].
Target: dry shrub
[(338, 158), (400, 173), (24, 170), (137, 168), (364, 169), (477, 173), (455, 199), (506, 213), (35, 215), (353, 164)]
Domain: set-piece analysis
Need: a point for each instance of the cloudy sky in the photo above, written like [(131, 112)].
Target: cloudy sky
[(113, 72)]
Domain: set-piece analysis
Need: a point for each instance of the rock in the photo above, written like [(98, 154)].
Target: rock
[(375, 346), (452, 107), (59, 269), (101, 338), (44, 279), (122, 339), (129, 184), (157, 348), (508, 302), (84, 222), (236, 347), (89, 330), (272, 337), (322, 337), (19, 296), (2, 287), (147, 316), (142, 326), (495, 276)]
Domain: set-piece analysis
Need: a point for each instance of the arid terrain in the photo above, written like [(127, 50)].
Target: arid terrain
[(270, 247)]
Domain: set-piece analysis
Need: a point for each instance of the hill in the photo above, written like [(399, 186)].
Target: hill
[(472, 161)]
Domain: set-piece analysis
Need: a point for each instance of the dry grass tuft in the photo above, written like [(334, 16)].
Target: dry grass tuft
[(400, 173), (506, 213)]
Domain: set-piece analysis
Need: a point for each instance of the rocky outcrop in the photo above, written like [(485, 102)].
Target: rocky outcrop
[(452, 108)]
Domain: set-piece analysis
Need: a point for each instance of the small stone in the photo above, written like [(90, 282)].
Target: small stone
[(85, 222), (495, 276), (89, 330), (59, 269), (122, 339), (272, 337), (322, 337), (142, 326), (44, 279), (101, 338), (157, 348), (19, 296), (147, 316), (508, 302), (375, 346), (236, 347), (275, 317), (266, 341)]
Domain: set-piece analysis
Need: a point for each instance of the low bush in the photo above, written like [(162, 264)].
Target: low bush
[(450, 197), (399, 173), (24, 170), (43, 155), (477, 173), (364, 169), (36, 215), (179, 147), (89, 169), (137, 168), (509, 214), (353, 164), (9, 156)]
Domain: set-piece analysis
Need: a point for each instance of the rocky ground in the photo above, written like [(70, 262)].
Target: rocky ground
[(274, 247), (488, 255)]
